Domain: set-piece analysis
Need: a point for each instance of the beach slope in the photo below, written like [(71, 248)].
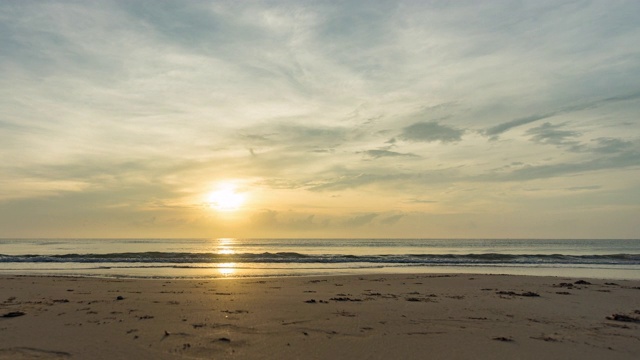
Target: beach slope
[(343, 317)]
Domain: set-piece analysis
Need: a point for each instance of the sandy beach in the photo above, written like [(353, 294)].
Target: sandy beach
[(343, 317)]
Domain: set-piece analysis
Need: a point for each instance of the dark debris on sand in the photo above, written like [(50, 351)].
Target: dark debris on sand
[(502, 338), (513, 293), (624, 318), (564, 285), (545, 338), (344, 299), (313, 301), (13, 314), (420, 299), (569, 285)]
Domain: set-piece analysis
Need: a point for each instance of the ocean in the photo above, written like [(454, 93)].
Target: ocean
[(230, 257)]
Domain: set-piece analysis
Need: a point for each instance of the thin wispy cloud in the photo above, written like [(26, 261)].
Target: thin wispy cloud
[(548, 133), (381, 153), (430, 132)]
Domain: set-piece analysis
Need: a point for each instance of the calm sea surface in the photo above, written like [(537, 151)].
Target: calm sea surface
[(215, 258)]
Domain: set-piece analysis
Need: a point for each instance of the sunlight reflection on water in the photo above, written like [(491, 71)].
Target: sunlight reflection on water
[(227, 269)]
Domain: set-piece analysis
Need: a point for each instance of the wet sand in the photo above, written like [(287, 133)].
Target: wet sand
[(434, 316)]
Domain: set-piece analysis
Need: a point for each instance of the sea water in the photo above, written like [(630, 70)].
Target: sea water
[(230, 257)]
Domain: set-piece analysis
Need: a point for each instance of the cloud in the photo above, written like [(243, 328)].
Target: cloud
[(348, 181), (611, 145), (288, 134), (274, 220), (622, 160), (359, 220), (582, 188), (496, 130), (388, 181), (430, 132), (552, 134), (500, 128), (420, 201), (380, 153), (391, 220), (322, 151), (614, 99)]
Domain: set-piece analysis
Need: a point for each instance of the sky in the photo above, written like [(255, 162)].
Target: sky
[(413, 119)]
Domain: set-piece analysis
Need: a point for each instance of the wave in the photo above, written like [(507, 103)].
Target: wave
[(293, 257)]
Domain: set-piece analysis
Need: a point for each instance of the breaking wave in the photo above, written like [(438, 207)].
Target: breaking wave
[(298, 258)]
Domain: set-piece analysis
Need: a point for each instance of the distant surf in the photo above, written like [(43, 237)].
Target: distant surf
[(293, 257), (282, 257)]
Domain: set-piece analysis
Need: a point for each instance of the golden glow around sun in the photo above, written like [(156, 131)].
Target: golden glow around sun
[(226, 198)]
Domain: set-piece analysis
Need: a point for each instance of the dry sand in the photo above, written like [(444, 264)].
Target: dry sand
[(348, 317)]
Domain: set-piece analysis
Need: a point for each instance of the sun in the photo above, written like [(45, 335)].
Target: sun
[(226, 198)]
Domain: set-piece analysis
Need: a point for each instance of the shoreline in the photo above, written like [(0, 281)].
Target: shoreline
[(448, 316), (241, 272)]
